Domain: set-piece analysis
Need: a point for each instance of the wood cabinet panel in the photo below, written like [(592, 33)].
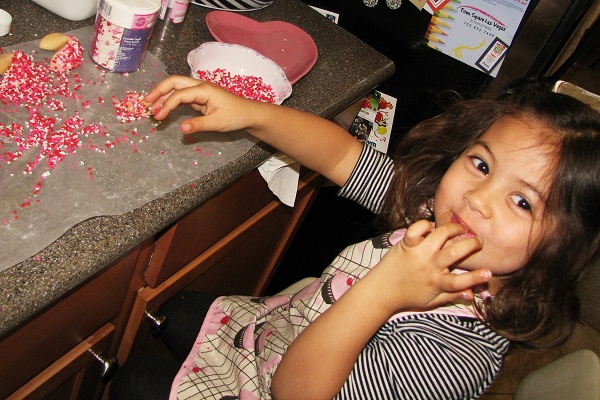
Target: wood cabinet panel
[(242, 262), (76, 375), (56, 331), (241, 269), (248, 268), (207, 224)]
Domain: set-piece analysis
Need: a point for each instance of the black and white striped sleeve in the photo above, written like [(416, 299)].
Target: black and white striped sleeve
[(432, 357), (370, 179)]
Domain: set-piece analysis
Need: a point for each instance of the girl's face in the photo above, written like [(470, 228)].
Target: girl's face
[(497, 189)]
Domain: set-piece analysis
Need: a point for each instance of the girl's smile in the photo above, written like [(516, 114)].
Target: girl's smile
[(497, 189)]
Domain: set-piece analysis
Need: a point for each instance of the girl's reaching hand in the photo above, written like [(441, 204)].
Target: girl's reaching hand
[(314, 142), (416, 273), (164, 89), (222, 111)]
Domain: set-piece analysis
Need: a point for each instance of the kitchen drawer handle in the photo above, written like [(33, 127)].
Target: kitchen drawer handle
[(109, 365), (158, 322)]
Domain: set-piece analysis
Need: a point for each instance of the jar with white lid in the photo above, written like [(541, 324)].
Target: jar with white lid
[(122, 31)]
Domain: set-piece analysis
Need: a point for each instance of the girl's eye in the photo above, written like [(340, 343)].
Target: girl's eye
[(521, 202), (480, 165)]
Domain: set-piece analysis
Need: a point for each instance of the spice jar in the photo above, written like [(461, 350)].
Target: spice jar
[(172, 14)]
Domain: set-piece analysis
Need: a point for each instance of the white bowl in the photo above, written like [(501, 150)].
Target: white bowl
[(240, 60)]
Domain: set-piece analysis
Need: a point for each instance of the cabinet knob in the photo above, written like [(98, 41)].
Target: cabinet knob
[(158, 322), (109, 365)]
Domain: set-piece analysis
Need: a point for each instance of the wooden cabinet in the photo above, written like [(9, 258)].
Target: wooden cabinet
[(206, 225), (47, 356), (231, 244), (78, 374)]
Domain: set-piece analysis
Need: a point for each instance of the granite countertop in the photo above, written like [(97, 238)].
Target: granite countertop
[(346, 69)]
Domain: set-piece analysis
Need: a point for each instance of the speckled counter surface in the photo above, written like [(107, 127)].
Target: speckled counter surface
[(346, 70)]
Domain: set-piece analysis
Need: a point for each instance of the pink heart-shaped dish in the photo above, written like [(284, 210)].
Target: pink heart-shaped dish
[(286, 44)]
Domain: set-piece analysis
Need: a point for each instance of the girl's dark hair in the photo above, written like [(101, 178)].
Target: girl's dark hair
[(537, 304)]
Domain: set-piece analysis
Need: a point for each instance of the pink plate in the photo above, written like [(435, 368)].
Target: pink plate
[(286, 44)]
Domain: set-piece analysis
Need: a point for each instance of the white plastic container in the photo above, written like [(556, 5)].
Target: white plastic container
[(122, 33), (75, 10), (5, 22)]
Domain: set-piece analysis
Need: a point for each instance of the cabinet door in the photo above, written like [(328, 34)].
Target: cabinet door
[(76, 375), (242, 262), (248, 265), (206, 225), (49, 336)]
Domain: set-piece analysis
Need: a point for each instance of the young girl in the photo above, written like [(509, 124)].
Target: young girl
[(491, 210)]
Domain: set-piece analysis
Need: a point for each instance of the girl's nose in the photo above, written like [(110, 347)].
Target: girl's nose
[(479, 200)]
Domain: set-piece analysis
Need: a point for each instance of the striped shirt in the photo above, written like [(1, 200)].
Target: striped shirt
[(369, 180), (418, 356), (427, 356)]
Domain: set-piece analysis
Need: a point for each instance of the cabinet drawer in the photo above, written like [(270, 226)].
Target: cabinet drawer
[(56, 331), (241, 270), (242, 262), (76, 375), (206, 225)]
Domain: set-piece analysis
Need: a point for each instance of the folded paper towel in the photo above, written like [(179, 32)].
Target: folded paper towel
[(282, 174)]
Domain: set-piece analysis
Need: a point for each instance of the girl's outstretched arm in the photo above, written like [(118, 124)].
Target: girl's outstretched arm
[(313, 141), (414, 274)]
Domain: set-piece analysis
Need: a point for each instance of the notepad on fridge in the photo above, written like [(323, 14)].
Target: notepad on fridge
[(476, 32)]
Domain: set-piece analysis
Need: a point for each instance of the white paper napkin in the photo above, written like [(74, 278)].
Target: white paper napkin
[(281, 173)]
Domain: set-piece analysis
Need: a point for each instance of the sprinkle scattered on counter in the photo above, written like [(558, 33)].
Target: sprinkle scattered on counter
[(52, 131), (131, 108), (25, 82)]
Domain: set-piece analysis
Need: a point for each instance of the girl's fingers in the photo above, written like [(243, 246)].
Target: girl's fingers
[(187, 95), (157, 104), (443, 242), (163, 91), (454, 252), (442, 233), (192, 125), (460, 283), (416, 232), (447, 245), (166, 86)]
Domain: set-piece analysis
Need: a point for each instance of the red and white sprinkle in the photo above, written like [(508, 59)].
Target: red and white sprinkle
[(131, 108), (248, 86), (69, 57), (25, 82)]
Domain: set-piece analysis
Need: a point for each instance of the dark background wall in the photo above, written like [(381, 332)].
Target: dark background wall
[(422, 73)]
